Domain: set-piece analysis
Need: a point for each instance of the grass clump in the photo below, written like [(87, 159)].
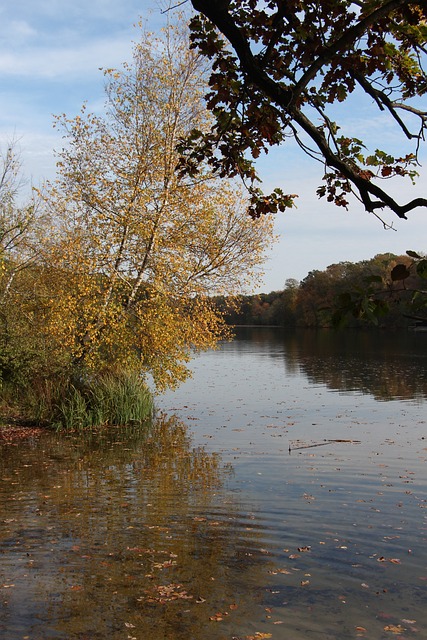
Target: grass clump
[(85, 402)]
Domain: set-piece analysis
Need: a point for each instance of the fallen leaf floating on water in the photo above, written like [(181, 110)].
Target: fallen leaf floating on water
[(302, 549), (167, 593), (217, 617), (394, 628), (276, 571), (9, 434), (307, 496), (392, 560), (164, 565)]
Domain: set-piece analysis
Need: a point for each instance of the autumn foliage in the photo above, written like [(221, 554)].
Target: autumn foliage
[(387, 291), (131, 252)]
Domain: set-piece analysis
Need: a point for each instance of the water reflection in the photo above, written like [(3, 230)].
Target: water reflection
[(121, 536), (149, 535), (387, 366)]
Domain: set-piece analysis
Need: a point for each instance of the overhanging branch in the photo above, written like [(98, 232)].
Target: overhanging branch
[(286, 99), (366, 188), (383, 101), (217, 13)]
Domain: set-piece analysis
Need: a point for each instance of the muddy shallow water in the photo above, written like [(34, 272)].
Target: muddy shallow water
[(282, 494)]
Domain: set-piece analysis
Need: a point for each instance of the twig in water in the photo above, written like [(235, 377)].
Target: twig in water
[(322, 444)]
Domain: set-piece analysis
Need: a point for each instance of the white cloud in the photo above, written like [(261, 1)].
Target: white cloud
[(65, 63), (20, 30)]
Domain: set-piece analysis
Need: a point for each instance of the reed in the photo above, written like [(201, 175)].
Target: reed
[(84, 402)]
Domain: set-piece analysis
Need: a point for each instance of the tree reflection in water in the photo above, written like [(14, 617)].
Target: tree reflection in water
[(122, 535), (383, 364), (145, 535)]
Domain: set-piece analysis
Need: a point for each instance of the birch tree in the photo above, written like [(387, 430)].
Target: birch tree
[(141, 249)]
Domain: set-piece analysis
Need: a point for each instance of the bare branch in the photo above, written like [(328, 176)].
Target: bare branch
[(175, 6), (383, 101)]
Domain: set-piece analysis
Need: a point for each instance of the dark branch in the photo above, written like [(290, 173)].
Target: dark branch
[(175, 6), (345, 42), (365, 187), (217, 13), (383, 101), (287, 99)]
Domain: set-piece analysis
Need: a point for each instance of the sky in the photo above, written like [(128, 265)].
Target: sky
[(51, 52)]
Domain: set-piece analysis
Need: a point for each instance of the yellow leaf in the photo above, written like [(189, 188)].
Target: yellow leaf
[(392, 628)]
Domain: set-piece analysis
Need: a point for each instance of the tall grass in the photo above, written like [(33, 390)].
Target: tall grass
[(124, 399), (116, 399)]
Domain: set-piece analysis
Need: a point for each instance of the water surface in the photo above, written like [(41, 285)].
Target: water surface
[(283, 494)]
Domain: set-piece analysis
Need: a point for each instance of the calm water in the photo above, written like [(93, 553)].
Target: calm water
[(282, 495)]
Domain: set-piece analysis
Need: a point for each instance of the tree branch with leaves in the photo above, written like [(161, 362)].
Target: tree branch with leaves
[(280, 69)]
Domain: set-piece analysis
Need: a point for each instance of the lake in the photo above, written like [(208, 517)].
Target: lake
[(281, 494)]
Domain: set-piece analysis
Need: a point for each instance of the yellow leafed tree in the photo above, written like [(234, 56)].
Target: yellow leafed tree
[(22, 229), (139, 250)]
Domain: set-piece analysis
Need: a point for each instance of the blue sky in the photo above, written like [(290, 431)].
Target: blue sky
[(50, 55)]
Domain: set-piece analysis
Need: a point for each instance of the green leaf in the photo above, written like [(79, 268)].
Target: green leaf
[(413, 254), (339, 319), (381, 308)]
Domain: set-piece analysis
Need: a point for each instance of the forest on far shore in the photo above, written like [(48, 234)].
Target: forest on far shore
[(388, 291)]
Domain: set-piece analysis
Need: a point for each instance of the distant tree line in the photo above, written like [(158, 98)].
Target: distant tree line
[(388, 291)]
